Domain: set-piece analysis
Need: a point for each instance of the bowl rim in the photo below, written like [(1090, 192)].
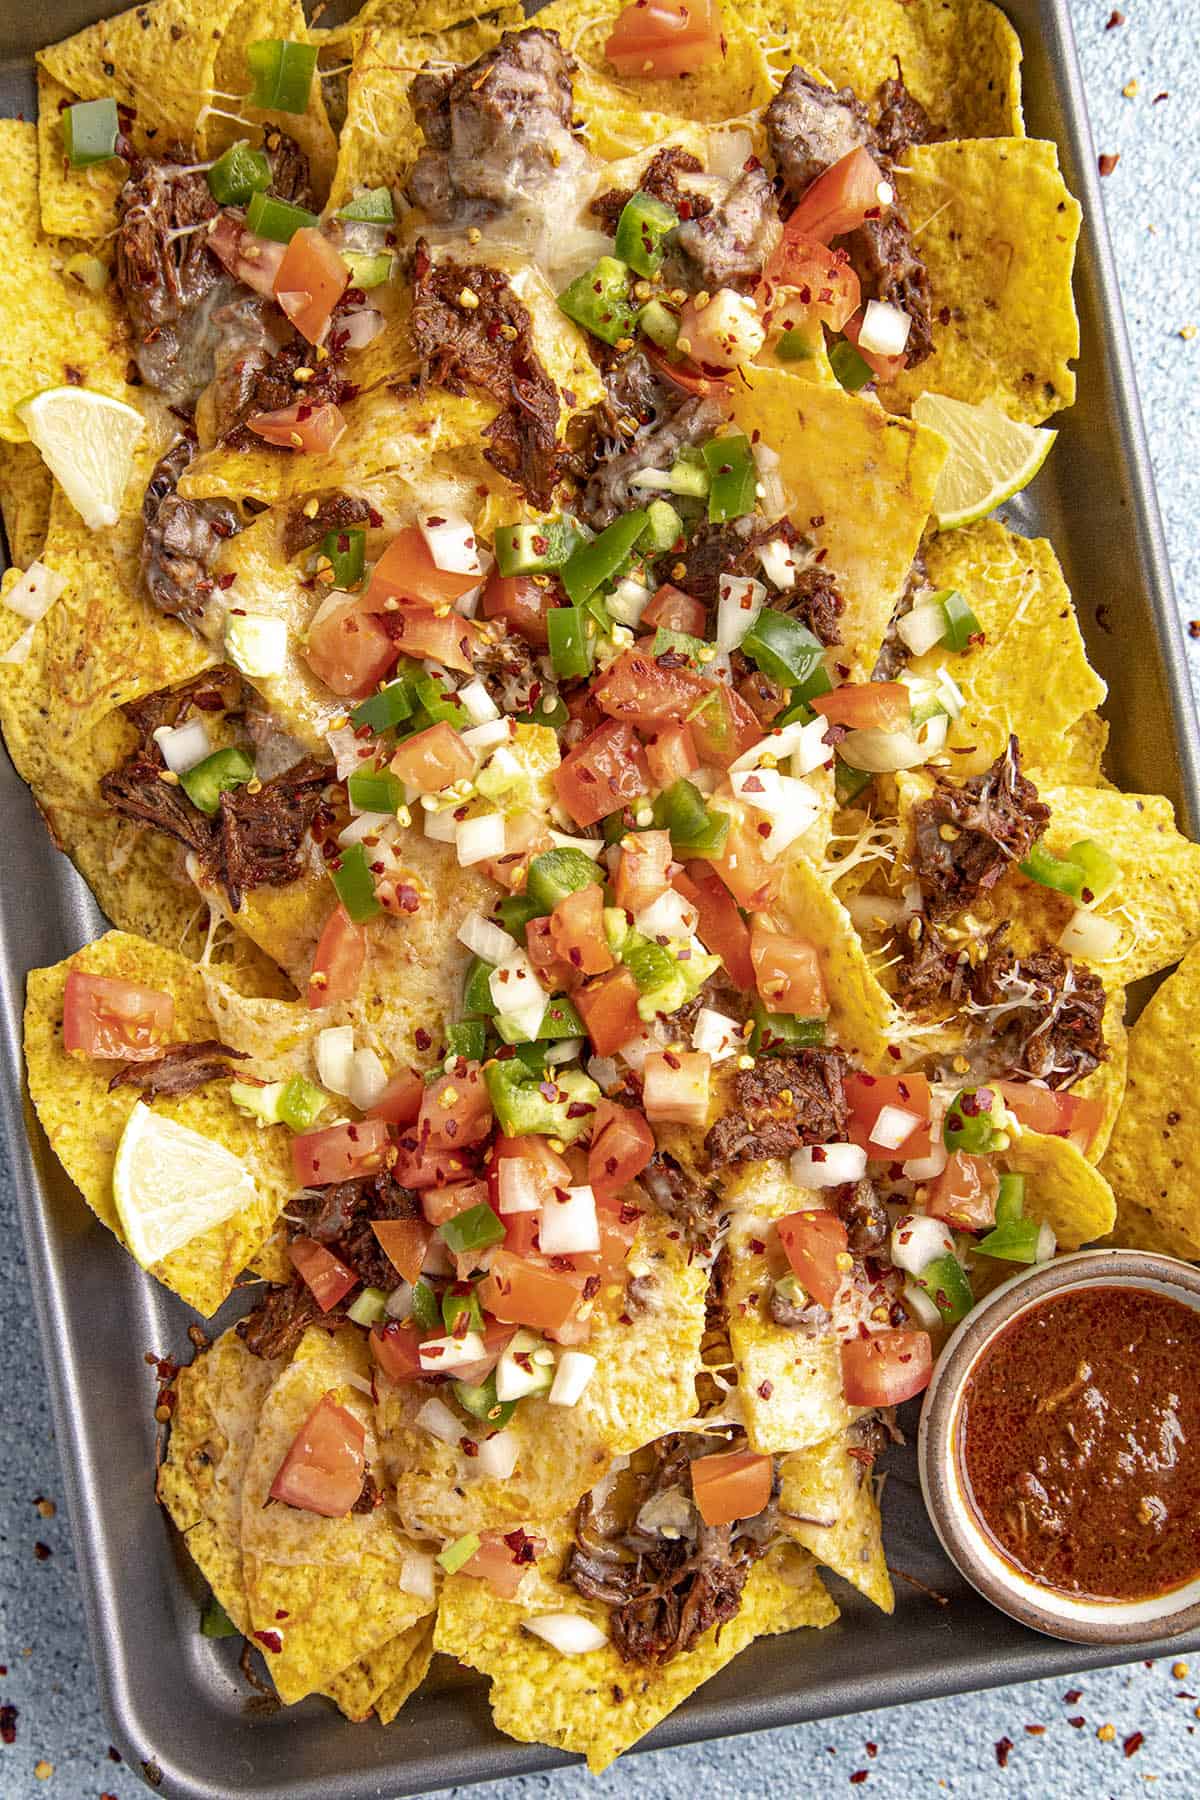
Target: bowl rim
[(1040, 1608)]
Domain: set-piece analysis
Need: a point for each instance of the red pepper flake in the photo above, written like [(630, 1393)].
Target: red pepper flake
[(1035, 1731), (9, 1715), (858, 1777), (1163, 96), (1108, 161), (1194, 628), (1071, 1697), (283, 1613), (870, 1748), (1115, 18), (270, 1640), (42, 1551), (1003, 1750), (422, 1039), (1133, 1743), (765, 1390), (1078, 1722)]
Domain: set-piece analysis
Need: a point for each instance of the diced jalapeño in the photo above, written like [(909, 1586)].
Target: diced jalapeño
[(90, 132), (215, 1622), (794, 346), (1062, 874), (850, 366), (368, 271), (1101, 873), (663, 528), (355, 884), (515, 911), (375, 790), (642, 230), (454, 1305), (786, 650), (570, 641), (282, 72), (1010, 1201), (276, 219), (389, 707), (945, 1281), (477, 991), (659, 324), (781, 1032), (1015, 1241), (961, 623), (346, 550), (600, 302), (733, 477), (301, 1103), (598, 561), (975, 1122), (556, 873), (206, 781), (426, 1312), (239, 172), (476, 1229), (467, 1038), (535, 546), (479, 1399), (372, 207)]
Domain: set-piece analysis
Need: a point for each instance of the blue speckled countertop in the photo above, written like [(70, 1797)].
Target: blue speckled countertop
[(1126, 1732)]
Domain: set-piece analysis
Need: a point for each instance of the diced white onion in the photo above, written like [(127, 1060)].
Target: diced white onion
[(950, 695), (485, 939), (368, 1079), (932, 735), (450, 538), (514, 1380), (917, 1240), (570, 1227), (367, 824), (928, 1168), (921, 1306), (778, 562), (658, 481), (479, 703), (477, 839), (740, 600), (566, 1050), (437, 1260), (468, 604), (517, 993), (1088, 935), (812, 752), (348, 749), (485, 737), (885, 193), (575, 1369), (517, 1187), (256, 644), (441, 826), (603, 1071), (728, 150), (894, 1124), (35, 593), (335, 1058), (18, 650), (497, 1456), (828, 1165), (882, 752), (635, 1052), (183, 746), (885, 328), (874, 912), (791, 806), (670, 915), (362, 326), (569, 1633), (923, 627), (587, 846), (418, 1575), (1047, 1244), (716, 1034), (779, 744), (628, 602), (399, 1302), (436, 1418), (441, 1354)]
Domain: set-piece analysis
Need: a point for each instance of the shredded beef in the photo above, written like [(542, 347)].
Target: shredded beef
[(165, 272), (816, 601), (497, 131), (1047, 1020), (260, 830), (303, 529), (810, 126), (509, 672), (729, 245), (864, 1215), (884, 258), (370, 1497), (182, 539), (678, 422), (660, 180), (695, 1205), (289, 169), (219, 690), (765, 696), (902, 120), (269, 385), (893, 652), (733, 549), (282, 1317), (489, 346), (181, 1069), (340, 1218), (931, 970), (140, 790), (251, 331), (781, 1104), (970, 833), (813, 1319)]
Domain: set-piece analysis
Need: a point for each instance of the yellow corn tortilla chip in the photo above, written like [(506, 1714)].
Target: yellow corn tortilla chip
[(862, 1015), (1154, 1150), (1062, 1189), (644, 1385), (250, 22), (420, 1654), (56, 331), (1107, 1083), (378, 1679), (596, 1704), (327, 1588), (828, 1505), (78, 203), (418, 19), (1030, 674), (25, 485), (1074, 759), (960, 58), (833, 444), (83, 1120), (996, 227)]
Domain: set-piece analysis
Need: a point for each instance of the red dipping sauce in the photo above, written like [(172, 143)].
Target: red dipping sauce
[(1079, 1442)]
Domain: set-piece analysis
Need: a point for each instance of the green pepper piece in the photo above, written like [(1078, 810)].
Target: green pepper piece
[(733, 477), (524, 1100), (479, 1400), (215, 1622), (945, 1281), (975, 1122), (1016, 1241), (659, 324), (549, 710), (426, 1313), (239, 172), (276, 219), (642, 230), (849, 783), (90, 132), (689, 476), (560, 1020), (301, 1103), (664, 528), (454, 1305), (667, 639), (599, 300), (591, 564), (440, 703), (785, 650), (282, 72), (476, 1229), (375, 790), (368, 269), (515, 912), (386, 709), (570, 642), (370, 1307), (460, 1552), (535, 547), (693, 826), (372, 207), (961, 623), (794, 346), (850, 366), (1010, 1201), (477, 993), (650, 965), (354, 884), (467, 1038), (1062, 874), (532, 1056), (781, 1032), (556, 873), (206, 781), (1100, 872)]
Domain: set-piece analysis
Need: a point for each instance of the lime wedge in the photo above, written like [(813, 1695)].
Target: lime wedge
[(87, 441), (992, 457), (170, 1184)]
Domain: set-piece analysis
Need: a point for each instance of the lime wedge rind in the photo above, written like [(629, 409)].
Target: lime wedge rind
[(992, 457)]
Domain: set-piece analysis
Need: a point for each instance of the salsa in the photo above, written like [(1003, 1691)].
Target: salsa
[(1080, 1443)]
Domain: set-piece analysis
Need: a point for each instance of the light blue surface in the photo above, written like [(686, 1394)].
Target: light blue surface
[(1153, 204)]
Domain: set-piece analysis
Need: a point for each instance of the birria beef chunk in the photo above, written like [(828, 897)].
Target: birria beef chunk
[(181, 1069), (182, 539), (260, 830), (660, 180), (334, 512), (269, 380), (677, 421), (810, 126), (970, 833), (781, 1104), (728, 247), (219, 690), (695, 1205), (280, 1320), (884, 258), (340, 1218), (141, 791), (902, 120), (166, 275), (1045, 1017)]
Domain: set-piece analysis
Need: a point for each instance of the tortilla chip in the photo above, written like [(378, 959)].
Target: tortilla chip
[(1074, 759), (1154, 1150), (84, 1120), (251, 21), (862, 1016), (396, 1669), (56, 331), (996, 228), (420, 1654), (138, 57), (418, 18), (832, 444), (1062, 1189), (1015, 588), (1107, 1083), (596, 1704), (79, 203), (644, 1385), (25, 486), (828, 1504), (326, 1589)]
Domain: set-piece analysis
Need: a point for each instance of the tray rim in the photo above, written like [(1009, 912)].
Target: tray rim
[(701, 1719)]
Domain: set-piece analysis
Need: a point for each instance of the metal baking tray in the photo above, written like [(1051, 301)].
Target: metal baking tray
[(177, 1707)]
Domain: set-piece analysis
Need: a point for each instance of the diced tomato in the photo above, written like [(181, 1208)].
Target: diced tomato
[(497, 1562), (867, 705), (521, 1233), (674, 610), (641, 691), (577, 932), (602, 773), (404, 1243), (725, 728), (455, 1111), (433, 759), (324, 1274), (310, 281), (400, 1101), (666, 37), (642, 869), (337, 961), (787, 971), (396, 1347), (442, 1203), (884, 368), (807, 280), (1076, 1117), (251, 258), (608, 1007), (741, 865), (522, 1293), (964, 1194), (445, 638), (840, 199), (300, 426), (675, 1086), (107, 1017), (814, 1242), (324, 1468), (886, 1368), (622, 1145), (554, 973), (684, 372), (546, 1170), (671, 755), (526, 835), (340, 1151), (522, 604), (722, 928), (348, 650), (406, 571), (733, 1485), (419, 1166), (867, 1096)]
